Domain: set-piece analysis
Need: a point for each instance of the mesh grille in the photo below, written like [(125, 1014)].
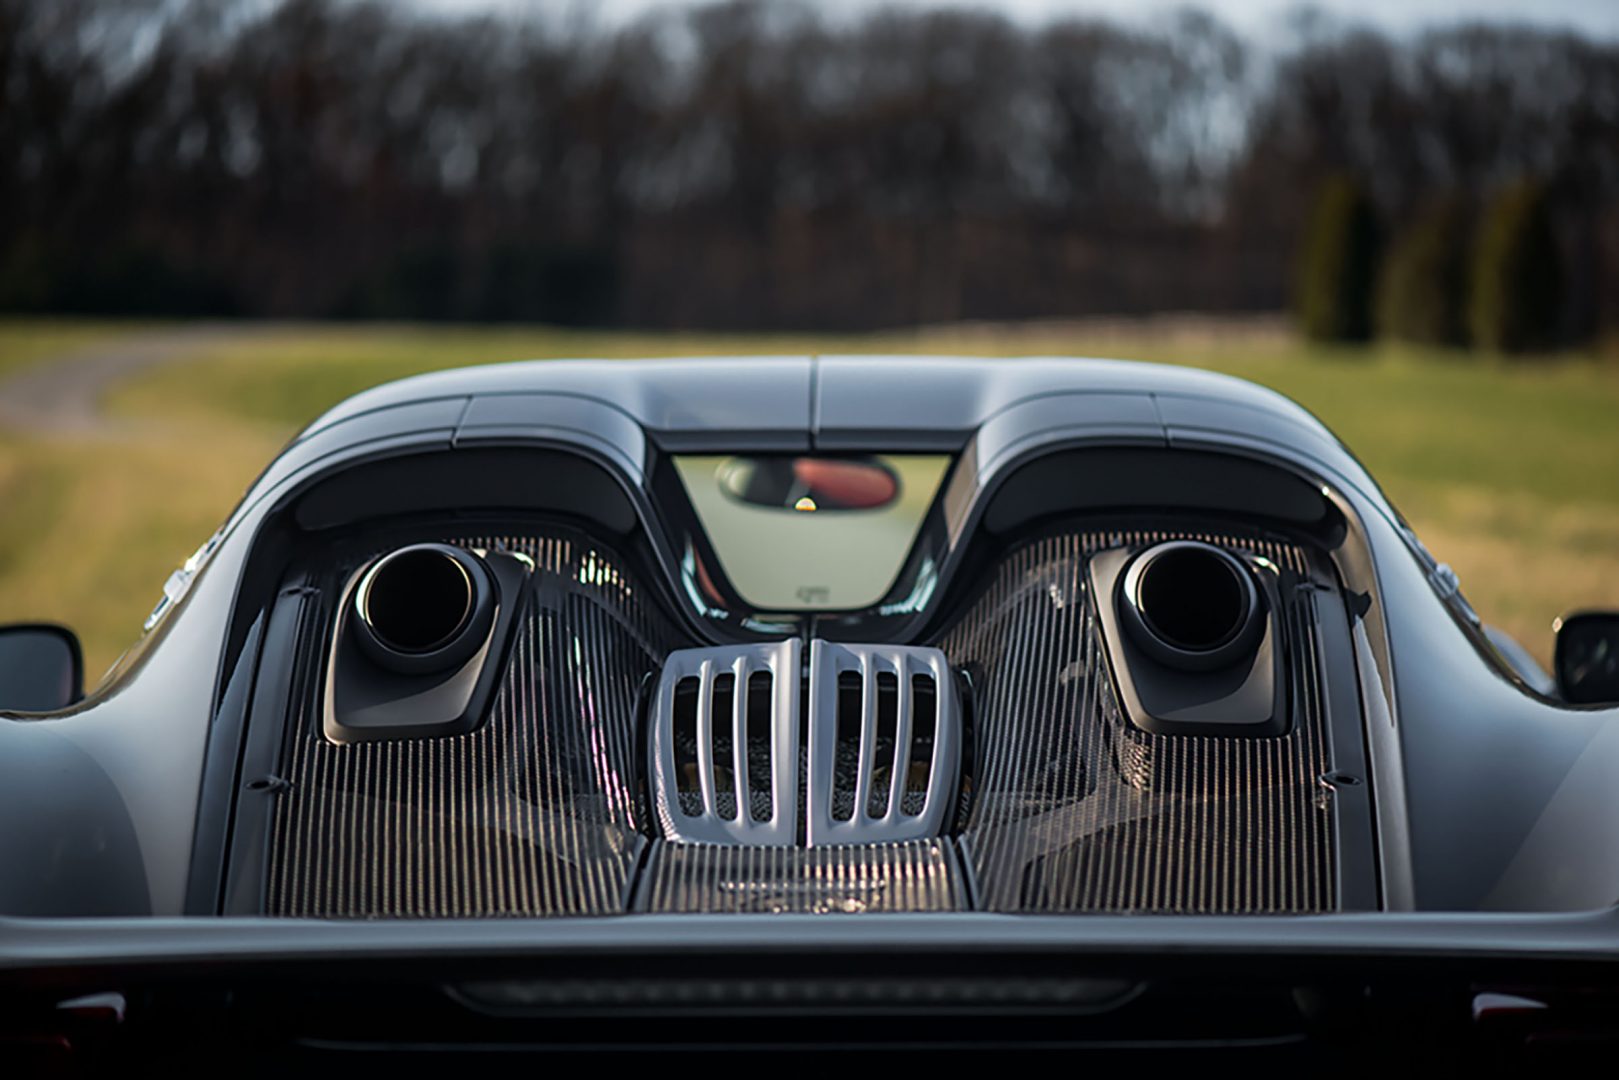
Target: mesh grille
[(760, 807), (1076, 810), (532, 814), (918, 875), (847, 777)]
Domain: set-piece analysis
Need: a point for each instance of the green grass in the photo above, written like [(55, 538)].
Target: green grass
[(27, 341), (91, 528), (287, 381), (1505, 468)]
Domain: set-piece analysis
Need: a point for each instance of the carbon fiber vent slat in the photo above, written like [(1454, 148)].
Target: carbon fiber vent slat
[(918, 875), (1076, 810), (534, 813)]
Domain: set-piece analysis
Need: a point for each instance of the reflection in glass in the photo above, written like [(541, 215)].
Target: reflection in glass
[(811, 484)]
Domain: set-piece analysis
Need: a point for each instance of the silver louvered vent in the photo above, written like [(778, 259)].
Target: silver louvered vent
[(881, 760), (884, 744), (724, 744)]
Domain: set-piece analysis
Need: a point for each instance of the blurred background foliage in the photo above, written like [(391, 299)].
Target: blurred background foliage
[(748, 165), (1424, 288), (1342, 249), (1414, 234), (1517, 287)]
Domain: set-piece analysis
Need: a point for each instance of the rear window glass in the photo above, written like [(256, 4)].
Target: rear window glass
[(811, 532)]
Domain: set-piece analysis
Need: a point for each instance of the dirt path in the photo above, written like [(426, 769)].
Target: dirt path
[(63, 395)]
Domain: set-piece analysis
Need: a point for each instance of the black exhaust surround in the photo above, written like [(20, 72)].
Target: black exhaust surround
[(419, 642), (538, 811), (1193, 638)]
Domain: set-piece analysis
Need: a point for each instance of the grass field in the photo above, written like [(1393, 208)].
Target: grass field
[(1506, 469), (25, 342)]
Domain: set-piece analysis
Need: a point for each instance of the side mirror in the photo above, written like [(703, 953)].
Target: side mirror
[(41, 667), (1586, 658)]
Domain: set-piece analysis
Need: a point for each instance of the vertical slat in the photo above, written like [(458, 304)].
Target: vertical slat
[(868, 739), (902, 741), (705, 737), (739, 739)]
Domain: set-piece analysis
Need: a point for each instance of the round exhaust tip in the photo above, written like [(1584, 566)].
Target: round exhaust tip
[(423, 608), (1191, 606)]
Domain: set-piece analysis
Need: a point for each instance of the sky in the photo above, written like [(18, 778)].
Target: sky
[(1595, 17)]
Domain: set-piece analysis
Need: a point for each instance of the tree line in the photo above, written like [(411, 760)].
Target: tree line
[(756, 165)]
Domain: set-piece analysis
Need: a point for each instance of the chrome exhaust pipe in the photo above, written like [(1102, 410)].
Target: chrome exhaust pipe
[(1191, 606), (424, 608)]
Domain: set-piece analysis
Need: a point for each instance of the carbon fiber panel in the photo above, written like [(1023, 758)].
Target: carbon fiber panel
[(534, 813), (1076, 810), (917, 875)]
